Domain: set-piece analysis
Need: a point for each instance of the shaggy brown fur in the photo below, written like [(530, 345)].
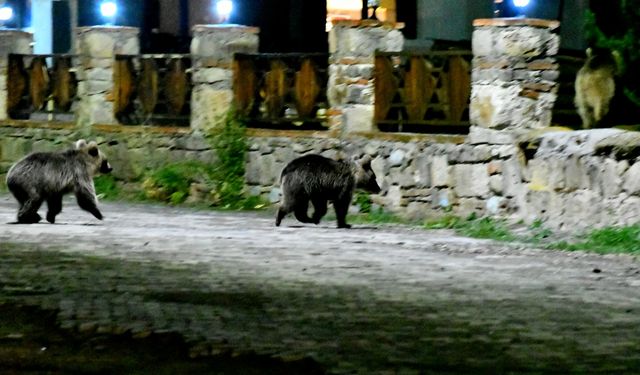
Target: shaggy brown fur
[(47, 176), (320, 180), (595, 86)]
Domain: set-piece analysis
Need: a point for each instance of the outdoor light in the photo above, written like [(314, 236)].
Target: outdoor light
[(520, 3), (6, 13), (108, 9), (224, 9)]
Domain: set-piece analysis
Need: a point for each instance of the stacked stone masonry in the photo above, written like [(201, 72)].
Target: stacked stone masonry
[(97, 48), (514, 73)]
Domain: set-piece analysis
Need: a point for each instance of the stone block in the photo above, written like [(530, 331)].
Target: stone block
[(209, 107), (496, 184), (471, 180), (482, 41), (440, 171), (358, 119), (422, 174), (347, 40), (631, 178), (213, 75), (221, 42)]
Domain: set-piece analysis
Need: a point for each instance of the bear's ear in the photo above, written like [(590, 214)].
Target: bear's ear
[(366, 161), (93, 151), (80, 144)]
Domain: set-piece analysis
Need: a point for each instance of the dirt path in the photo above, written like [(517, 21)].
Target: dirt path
[(366, 300)]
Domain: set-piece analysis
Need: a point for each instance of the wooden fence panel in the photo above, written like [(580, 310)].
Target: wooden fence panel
[(307, 88), (41, 85), (152, 89), (244, 86), (283, 91), (64, 85), (17, 85), (423, 92)]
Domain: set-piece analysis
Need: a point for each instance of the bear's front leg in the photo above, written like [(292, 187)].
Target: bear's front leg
[(54, 205), (342, 207), (87, 201)]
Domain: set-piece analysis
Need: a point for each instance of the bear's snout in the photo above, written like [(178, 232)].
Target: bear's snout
[(105, 167)]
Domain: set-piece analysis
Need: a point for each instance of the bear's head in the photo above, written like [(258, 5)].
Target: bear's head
[(365, 177), (97, 160)]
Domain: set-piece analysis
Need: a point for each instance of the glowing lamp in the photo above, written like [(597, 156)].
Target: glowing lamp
[(224, 8), (521, 3), (6, 13), (108, 9)]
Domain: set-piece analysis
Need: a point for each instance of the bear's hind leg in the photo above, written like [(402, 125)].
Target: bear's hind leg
[(54, 205), (320, 209), (300, 210), (28, 213)]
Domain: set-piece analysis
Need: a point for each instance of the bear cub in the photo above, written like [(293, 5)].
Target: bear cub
[(318, 179), (47, 176)]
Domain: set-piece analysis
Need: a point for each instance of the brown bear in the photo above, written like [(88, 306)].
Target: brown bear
[(319, 179), (595, 85), (47, 176)]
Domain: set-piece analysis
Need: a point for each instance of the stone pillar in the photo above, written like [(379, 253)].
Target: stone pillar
[(11, 41), (514, 74), (352, 45), (212, 50), (97, 47)]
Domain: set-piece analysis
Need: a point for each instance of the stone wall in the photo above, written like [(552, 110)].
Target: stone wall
[(511, 164), (514, 73), (570, 180)]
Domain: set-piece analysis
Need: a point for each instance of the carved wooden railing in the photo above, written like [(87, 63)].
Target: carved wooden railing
[(284, 91), (41, 87), (424, 93), (152, 89)]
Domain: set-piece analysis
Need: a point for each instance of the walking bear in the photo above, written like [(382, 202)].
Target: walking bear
[(595, 85), (47, 176), (319, 180)]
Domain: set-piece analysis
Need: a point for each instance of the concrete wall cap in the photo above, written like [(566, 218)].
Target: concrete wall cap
[(226, 27), (516, 21)]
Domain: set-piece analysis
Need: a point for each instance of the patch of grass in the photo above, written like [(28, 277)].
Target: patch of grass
[(376, 216), (606, 241), (475, 227), (106, 187)]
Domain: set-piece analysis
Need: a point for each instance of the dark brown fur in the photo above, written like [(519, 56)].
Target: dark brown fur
[(320, 180), (48, 176)]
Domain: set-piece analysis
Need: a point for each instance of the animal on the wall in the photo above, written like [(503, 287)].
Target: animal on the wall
[(595, 85), (48, 176), (317, 179)]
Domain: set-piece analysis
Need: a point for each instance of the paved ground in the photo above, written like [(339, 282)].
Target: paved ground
[(385, 299)]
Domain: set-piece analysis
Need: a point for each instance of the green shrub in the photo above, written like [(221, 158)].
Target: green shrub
[(172, 183), (107, 187)]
